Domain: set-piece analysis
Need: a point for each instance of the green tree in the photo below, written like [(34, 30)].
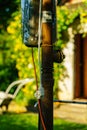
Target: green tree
[(8, 72), (7, 7)]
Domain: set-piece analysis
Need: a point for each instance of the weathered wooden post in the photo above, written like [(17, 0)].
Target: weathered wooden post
[(30, 27), (47, 65), (31, 38)]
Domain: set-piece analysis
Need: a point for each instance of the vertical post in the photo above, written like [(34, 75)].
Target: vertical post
[(47, 66)]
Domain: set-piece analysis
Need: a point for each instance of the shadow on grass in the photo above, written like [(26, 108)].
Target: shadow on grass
[(66, 125), (71, 127), (18, 121), (29, 121), (17, 127)]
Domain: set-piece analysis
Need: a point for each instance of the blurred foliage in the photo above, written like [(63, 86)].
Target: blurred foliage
[(8, 71), (16, 58), (67, 17), (7, 7), (23, 57), (7, 75)]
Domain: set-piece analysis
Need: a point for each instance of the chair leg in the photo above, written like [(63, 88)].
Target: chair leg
[(6, 107)]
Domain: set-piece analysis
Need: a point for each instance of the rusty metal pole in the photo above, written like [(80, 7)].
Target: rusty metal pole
[(47, 66)]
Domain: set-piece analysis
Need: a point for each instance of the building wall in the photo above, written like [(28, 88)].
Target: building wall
[(66, 86)]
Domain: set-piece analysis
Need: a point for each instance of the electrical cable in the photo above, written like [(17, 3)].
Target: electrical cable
[(39, 35), (39, 62), (39, 101), (39, 43)]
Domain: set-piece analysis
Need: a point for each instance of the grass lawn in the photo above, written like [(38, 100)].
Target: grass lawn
[(29, 121)]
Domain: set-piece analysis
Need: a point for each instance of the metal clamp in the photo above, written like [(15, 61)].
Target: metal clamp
[(46, 16), (39, 93)]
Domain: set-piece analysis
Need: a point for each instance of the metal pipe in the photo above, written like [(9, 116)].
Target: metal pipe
[(70, 101)]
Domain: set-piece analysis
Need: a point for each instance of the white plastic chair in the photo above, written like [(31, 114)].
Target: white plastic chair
[(6, 97)]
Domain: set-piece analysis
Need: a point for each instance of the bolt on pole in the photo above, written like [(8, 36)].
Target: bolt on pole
[(47, 66)]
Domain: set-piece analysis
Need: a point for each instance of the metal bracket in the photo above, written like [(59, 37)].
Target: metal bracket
[(39, 93), (46, 17)]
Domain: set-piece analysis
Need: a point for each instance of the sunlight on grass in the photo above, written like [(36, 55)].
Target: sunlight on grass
[(18, 121), (29, 121), (60, 124)]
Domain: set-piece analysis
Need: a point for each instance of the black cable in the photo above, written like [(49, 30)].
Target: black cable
[(70, 101)]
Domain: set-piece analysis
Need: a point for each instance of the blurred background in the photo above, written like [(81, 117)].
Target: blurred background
[(16, 60), (70, 76)]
